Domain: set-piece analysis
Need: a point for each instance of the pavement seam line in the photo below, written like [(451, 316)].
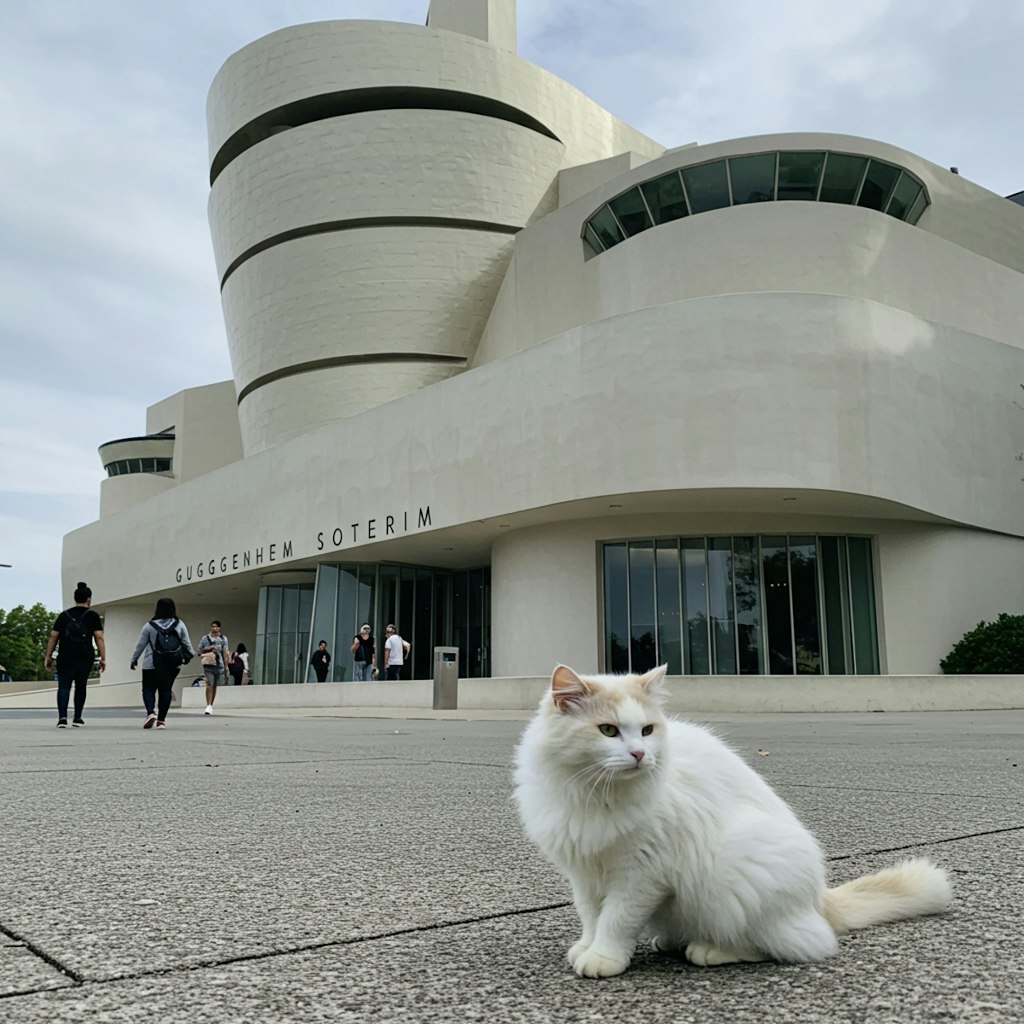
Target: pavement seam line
[(312, 947), (35, 950), (925, 842)]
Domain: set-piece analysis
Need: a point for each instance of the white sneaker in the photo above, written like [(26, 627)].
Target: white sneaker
[(209, 709)]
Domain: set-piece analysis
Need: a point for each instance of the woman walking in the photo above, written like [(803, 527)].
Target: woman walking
[(165, 647)]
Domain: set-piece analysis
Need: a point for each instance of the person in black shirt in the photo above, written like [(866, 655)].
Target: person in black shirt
[(364, 657), (73, 634), (321, 661)]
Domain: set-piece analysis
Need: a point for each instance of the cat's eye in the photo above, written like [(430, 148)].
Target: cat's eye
[(609, 730), (647, 730)]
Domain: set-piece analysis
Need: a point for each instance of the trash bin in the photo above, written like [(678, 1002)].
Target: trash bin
[(446, 678)]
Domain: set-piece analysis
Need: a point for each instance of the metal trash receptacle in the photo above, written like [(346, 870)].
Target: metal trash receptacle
[(446, 678)]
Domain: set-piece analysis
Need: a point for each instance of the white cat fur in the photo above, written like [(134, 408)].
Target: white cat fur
[(673, 835)]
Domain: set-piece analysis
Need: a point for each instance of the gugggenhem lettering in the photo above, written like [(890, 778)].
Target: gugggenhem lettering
[(377, 528), (221, 565)]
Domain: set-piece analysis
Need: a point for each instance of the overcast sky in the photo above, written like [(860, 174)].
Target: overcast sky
[(110, 297)]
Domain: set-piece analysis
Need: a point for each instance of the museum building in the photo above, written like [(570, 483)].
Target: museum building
[(512, 375)]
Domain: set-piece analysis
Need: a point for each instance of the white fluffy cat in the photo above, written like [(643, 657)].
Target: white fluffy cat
[(662, 829)]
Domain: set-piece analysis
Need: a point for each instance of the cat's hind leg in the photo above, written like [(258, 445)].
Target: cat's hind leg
[(707, 954), (800, 938)]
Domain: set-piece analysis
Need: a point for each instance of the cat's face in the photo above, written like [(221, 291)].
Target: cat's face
[(606, 728)]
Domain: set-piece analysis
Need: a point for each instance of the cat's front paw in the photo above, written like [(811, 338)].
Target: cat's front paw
[(576, 951), (592, 963)]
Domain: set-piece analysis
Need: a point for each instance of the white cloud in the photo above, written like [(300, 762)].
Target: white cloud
[(108, 293)]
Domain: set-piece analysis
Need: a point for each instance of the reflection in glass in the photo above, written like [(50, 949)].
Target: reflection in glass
[(878, 184), (842, 178), (747, 586), (862, 592), (591, 236), (904, 195), (918, 208), (720, 604), (695, 598), (837, 616), (803, 578), (631, 212), (753, 178), (642, 650), (799, 174), (670, 634), (778, 625), (707, 186), (665, 198), (616, 608), (608, 231)]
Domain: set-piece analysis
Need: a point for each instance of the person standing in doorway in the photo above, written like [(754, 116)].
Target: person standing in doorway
[(213, 653), (396, 650), (164, 646), (73, 634), (321, 661), (364, 655)]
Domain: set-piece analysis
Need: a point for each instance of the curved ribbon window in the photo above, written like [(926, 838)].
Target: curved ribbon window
[(124, 466), (801, 175)]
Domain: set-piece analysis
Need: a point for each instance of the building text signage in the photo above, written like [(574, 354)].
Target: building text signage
[(379, 528)]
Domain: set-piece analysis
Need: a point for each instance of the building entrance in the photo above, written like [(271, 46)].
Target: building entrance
[(430, 607)]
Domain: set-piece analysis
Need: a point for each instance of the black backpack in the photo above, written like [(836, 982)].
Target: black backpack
[(168, 650), (75, 639)]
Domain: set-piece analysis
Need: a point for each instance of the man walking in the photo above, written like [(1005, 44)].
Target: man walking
[(213, 654), (73, 635), (396, 650)]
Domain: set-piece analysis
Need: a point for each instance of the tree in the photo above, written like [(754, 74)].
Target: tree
[(23, 636)]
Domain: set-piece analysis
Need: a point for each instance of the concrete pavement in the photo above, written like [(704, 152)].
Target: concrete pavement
[(292, 868)]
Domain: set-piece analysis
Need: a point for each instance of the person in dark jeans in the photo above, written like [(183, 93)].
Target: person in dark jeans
[(157, 674), (73, 635)]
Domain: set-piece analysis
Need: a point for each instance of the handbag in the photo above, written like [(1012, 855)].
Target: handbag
[(208, 658)]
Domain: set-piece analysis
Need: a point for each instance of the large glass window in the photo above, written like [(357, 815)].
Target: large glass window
[(806, 175), (752, 178), (800, 175), (707, 186), (878, 185), (631, 212), (665, 198), (842, 178), (781, 605)]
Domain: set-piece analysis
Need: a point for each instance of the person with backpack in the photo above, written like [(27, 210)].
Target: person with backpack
[(164, 646), (73, 635)]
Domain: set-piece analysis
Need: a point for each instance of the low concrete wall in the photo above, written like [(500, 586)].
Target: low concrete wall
[(687, 694), (100, 695)]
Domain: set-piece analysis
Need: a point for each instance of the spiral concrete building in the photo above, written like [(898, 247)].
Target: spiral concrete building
[(518, 378)]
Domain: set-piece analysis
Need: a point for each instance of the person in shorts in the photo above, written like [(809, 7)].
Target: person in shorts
[(213, 654)]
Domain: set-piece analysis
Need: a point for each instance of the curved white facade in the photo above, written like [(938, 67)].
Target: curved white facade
[(433, 369)]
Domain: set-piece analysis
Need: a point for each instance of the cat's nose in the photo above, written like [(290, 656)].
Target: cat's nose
[(638, 754)]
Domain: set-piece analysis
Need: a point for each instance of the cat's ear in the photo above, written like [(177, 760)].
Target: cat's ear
[(653, 682), (567, 689)]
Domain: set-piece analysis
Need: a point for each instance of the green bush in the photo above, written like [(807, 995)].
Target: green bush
[(991, 647)]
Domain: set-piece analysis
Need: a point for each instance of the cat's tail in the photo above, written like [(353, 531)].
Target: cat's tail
[(910, 889)]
